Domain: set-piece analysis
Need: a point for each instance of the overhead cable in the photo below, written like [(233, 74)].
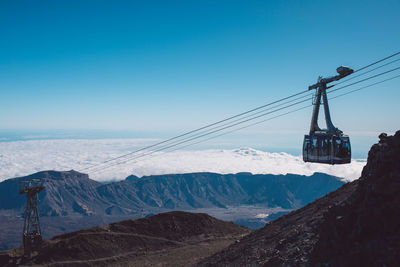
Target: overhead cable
[(376, 62), (201, 132), (280, 115), (241, 122), (198, 129), (365, 72)]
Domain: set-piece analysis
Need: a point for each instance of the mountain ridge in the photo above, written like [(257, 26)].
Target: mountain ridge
[(72, 201), (71, 192)]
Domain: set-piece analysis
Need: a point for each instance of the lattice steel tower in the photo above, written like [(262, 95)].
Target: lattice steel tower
[(31, 236)]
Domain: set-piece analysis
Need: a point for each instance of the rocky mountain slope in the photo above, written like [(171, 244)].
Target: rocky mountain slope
[(73, 193), (356, 225), (65, 193), (168, 239), (71, 201)]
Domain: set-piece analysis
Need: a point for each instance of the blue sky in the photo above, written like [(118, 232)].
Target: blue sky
[(159, 68)]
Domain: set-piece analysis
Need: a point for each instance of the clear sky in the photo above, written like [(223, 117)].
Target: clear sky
[(160, 68)]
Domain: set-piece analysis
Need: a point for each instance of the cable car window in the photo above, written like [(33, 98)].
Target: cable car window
[(314, 142), (346, 148), (324, 147), (314, 146), (307, 146), (345, 145), (341, 152)]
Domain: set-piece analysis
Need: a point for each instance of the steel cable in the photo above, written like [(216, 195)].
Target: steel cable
[(227, 120)]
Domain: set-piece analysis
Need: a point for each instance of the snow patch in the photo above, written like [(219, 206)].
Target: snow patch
[(261, 215)]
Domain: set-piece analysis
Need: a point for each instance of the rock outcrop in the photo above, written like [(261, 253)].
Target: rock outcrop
[(365, 230), (356, 225)]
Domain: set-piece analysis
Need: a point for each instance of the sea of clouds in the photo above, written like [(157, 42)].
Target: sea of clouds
[(19, 158)]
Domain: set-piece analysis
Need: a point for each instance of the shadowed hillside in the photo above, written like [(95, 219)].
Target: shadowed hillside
[(74, 193), (172, 239), (356, 225), (72, 201)]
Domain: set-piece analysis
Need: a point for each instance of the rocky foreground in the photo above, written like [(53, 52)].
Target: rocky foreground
[(356, 225), (168, 239)]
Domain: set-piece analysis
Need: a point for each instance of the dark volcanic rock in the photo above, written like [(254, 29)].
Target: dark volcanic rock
[(365, 231), (356, 225), (129, 242)]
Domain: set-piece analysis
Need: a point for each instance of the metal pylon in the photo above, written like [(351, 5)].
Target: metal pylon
[(31, 235)]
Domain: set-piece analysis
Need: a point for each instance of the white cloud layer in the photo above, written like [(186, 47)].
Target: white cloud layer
[(21, 158)]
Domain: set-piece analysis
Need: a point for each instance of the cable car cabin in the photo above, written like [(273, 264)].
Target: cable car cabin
[(328, 145), (328, 149)]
